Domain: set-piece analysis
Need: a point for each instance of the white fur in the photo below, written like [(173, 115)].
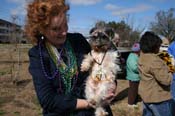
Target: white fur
[(96, 88)]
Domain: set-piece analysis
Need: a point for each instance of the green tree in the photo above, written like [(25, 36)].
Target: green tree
[(127, 34), (164, 24)]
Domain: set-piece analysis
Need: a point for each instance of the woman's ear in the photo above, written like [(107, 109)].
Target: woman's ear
[(40, 37)]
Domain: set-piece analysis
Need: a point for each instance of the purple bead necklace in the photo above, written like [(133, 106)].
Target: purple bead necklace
[(42, 64), (56, 73)]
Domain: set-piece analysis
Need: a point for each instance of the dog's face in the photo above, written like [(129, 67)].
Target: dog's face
[(99, 40)]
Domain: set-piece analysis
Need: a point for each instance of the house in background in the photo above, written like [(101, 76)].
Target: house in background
[(11, 33)]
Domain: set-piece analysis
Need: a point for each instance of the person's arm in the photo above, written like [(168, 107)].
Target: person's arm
[(161, 72), (171, 49), (82, 104)]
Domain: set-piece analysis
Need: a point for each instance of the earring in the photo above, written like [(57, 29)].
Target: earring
[(42, 37)]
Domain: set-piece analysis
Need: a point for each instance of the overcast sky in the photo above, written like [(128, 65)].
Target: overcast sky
[(85, 13)]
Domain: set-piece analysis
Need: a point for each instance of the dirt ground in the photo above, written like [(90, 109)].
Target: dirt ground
[(17, 95)]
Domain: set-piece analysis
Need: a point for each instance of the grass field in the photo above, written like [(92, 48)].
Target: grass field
[(17, 95)]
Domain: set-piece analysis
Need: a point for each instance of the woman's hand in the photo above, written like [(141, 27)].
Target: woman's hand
[(83, 104)]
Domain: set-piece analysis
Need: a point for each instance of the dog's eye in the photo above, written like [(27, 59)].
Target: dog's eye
[(93, 37), (104, 37)]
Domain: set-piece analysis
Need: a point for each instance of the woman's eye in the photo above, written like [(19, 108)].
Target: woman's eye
[(55, 29)]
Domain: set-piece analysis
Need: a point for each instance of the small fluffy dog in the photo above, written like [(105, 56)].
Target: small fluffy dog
[(102, 64)]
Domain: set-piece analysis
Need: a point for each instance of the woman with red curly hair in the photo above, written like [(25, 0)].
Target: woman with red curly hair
[(55, 60)]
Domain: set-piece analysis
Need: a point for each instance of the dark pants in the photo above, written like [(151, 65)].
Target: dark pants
[(133, 92)]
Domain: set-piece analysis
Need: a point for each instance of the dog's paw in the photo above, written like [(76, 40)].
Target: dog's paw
[(100, 112), (85, 67)]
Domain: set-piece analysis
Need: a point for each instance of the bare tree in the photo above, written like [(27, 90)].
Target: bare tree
[(16, 40), (164, 24)]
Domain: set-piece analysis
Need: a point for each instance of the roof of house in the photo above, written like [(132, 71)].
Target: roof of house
[(7, 22)]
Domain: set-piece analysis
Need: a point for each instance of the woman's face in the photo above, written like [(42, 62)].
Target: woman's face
[(57, 30)]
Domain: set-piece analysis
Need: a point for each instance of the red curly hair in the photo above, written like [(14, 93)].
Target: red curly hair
[(39, 15)]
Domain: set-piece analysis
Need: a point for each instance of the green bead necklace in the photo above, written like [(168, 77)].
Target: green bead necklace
[(67, 71)]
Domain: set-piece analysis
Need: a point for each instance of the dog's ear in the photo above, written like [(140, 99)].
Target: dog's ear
[(92, 30), (109, 32)]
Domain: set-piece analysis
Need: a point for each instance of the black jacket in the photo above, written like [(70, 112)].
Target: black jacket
[(52, 101)]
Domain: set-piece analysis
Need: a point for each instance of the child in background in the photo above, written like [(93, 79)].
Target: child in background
[(133, 75)]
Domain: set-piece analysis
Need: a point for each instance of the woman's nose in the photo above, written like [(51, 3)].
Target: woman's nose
[(64, 33)]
